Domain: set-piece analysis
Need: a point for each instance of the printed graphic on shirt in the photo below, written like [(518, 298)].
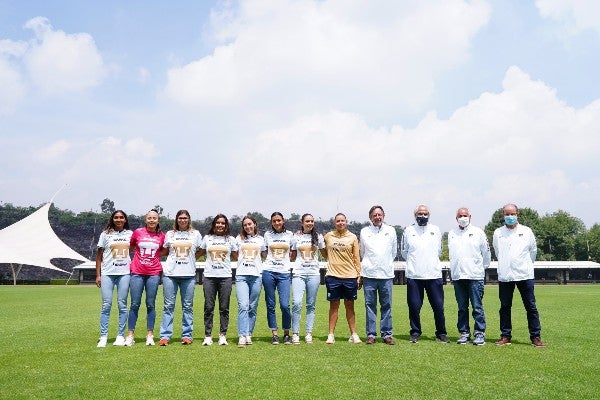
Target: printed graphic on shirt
[(307, 252), (278, 250), (218, 255), (182, 250), (249, 252), (119, 250), (148, 251)]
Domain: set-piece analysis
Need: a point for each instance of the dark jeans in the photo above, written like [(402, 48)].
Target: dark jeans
[(505, 292), (434, 288), (212, 287), (465, 290)]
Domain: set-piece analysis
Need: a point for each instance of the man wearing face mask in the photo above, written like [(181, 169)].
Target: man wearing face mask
[(421, 248), (516, 249), (469, 258)]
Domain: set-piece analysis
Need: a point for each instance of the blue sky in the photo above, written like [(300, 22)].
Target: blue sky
[(302, 106)]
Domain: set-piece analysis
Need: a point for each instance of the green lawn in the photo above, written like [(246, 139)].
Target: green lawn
[(48, 336)]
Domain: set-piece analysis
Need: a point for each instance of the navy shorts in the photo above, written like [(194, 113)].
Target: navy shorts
[(341, 288)]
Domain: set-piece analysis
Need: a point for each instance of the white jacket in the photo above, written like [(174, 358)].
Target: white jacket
[(421, 248), (378, 248), (469, 253), (516, 250)]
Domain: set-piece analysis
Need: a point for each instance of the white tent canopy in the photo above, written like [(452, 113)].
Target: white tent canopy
[(32, 241)]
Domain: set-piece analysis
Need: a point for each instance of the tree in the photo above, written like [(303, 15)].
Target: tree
[(556, 236), (158, 209), (587, 245), (107, 206)]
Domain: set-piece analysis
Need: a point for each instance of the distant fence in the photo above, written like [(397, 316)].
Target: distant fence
[(546, 272)]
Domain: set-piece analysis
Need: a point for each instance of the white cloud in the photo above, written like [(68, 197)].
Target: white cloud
[(575, 15), (12, 89), (54, 152), (58, 62), (521, 144), (370, 57)]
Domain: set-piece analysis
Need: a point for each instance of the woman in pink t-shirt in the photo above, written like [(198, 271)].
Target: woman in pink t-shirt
[(146, 268)]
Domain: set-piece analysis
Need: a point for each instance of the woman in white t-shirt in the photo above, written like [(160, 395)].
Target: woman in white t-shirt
[(220, 248), (183, 244), (248, 280), (306, 276), (276, 275), (112, 269)]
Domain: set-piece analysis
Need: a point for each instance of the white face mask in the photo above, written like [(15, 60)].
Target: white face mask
[(463, 222)]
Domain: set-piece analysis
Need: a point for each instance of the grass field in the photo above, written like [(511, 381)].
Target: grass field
[(48, 336)]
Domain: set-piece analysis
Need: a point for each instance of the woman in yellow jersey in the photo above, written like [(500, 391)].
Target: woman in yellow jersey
[(343, 275)]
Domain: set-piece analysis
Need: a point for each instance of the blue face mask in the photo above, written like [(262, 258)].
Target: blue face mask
[(510, 219), (422, 221)]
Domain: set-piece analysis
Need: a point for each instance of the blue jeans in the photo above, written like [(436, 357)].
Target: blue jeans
[(300, 283), (137, 284), (505, 292), (171, 284), (384, 287), (415, 289), (465, 290), (247, 291), (281, 282), (107, 285)]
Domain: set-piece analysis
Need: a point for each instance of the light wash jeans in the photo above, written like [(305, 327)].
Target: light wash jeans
[(371, 288), (107, 285), (310, 284), (281, 282), (187, 285), (465, 290), (247, 291), (136, 287)]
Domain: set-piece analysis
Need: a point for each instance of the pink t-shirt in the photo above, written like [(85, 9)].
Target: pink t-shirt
[(147, 245)]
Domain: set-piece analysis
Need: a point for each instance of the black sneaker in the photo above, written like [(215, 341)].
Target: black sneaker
[(414, 338), (287, 339), (275, 339), (442, 339)]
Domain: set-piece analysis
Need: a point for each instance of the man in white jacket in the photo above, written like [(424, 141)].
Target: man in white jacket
[(469, 258), (378, 248), (516, 249), (421, 248)]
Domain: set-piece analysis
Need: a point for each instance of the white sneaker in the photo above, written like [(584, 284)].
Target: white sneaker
[(354, 338), (207, 341), (248, 340), (102, 342), (242, 341), (330, 339), (129, 341), (223, 340), (308, 338), (119, 341), (295, 339), (150, 340)]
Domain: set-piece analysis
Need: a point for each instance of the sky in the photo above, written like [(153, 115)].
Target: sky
[(302, 106)]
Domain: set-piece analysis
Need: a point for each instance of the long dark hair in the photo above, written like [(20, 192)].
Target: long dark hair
[(314, 235), (110, 226), (214, 222), (277, 213), (243, 234), (176, 224)]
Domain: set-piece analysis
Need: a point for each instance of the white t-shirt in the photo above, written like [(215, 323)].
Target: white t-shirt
[(182, 246), (307, 260), (278, 251), (421, 248), (218, 255), (249, 261), (115, 255)]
